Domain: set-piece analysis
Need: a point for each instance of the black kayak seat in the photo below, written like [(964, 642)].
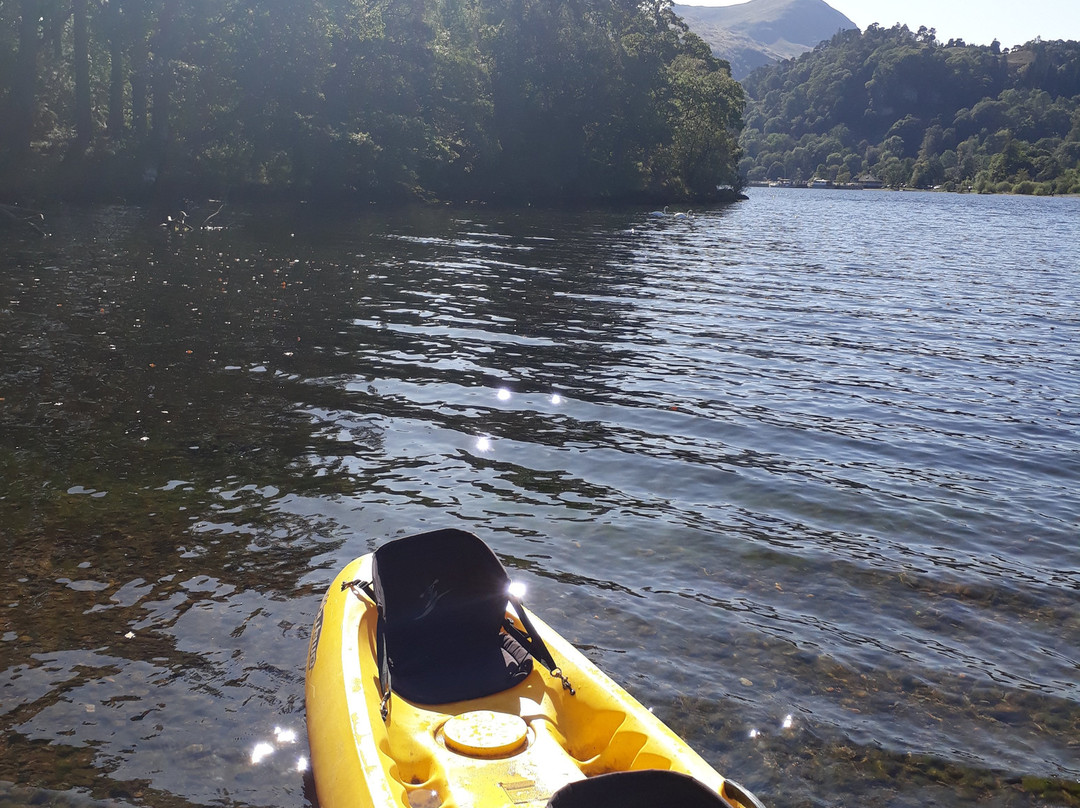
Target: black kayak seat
[(442, 600), (645, 788)]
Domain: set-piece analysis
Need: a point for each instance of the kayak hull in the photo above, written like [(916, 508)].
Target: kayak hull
[(547, 735)]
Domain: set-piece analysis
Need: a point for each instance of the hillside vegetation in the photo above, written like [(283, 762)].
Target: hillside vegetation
[(520, 100), (915, 112)]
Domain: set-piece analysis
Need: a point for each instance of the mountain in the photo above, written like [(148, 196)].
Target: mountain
[(760, 32)]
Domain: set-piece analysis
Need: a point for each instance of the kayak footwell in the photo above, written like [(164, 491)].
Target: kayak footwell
[(527, 775)]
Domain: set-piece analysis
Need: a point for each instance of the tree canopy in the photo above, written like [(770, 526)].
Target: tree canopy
[(915, 112), (522, 100)]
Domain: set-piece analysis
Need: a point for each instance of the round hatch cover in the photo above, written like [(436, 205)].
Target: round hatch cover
[(485, 734)]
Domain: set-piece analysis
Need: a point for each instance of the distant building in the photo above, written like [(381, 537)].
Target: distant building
[(870, 181)]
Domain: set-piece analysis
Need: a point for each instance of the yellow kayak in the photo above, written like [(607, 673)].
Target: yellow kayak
[(430, 686)]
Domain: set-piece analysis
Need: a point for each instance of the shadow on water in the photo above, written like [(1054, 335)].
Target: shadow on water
[(179, 411)]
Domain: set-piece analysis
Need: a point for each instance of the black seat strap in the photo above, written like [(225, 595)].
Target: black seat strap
[(382, 657), (531, 640), (365, 586), (384, 665)]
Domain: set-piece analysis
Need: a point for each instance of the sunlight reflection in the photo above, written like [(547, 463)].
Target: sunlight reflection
[(424, 798), (556, 398), (504, 394), (283, 736), (483, 444)]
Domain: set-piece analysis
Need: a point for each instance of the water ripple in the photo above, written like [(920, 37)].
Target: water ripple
[(801, 472)]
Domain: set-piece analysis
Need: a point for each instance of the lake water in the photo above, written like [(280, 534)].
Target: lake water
[(802, 473)]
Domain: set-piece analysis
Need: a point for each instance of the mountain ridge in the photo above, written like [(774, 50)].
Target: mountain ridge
[(760, 32)]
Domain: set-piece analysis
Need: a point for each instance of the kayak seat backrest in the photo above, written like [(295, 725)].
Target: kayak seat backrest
[(442, 599), (645, 788)]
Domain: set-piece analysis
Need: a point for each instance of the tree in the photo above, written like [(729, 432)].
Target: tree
[(113, 19), (891, 93), (927, 173), (24, 85), (164, 49), (376, 98), (80, 58)]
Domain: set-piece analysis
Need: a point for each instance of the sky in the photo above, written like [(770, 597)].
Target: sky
[(977, 22)]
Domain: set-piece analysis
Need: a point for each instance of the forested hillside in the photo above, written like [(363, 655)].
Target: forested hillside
[(523, 100), (915, 112)]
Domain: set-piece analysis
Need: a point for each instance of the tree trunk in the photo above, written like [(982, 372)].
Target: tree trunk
[(24, 87), (140, 66), (163, 76), (116, 71), (81, 57)]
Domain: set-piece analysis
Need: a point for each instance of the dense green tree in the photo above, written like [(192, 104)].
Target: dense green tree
[(520, 99), (917, 113)]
